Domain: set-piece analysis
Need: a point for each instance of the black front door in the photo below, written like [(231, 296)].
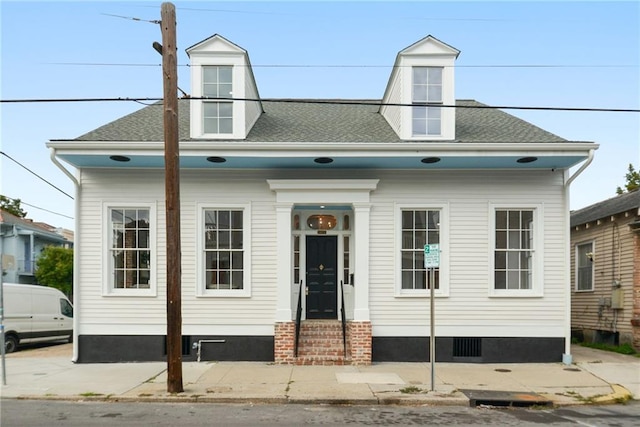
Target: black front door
[(322, 275)]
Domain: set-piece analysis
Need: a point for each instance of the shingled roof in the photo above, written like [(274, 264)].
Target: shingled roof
[(308, 121), (621, 203)]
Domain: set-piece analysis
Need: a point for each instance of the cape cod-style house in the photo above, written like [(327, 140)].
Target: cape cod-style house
[(304, 223)]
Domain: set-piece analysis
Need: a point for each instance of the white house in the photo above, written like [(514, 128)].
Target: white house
[(308, 206)]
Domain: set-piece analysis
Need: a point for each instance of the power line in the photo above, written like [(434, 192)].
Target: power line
[(132, 18), (552, 66), (32, 172), (327, 102), (37, 207)]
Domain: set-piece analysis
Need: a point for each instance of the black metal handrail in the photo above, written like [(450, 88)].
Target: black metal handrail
[(298, 318), (344, 319)]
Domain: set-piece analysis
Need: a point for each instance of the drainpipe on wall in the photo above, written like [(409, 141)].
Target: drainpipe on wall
[(567, 359), (76, 270)]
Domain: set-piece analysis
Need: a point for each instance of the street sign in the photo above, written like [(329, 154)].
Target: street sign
[(432, 255)]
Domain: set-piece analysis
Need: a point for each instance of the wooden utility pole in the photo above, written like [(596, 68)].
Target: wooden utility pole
[(172, 193)]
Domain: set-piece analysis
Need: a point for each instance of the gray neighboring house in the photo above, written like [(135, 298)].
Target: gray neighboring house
[(24, 240), (605, 271), (304, 223)]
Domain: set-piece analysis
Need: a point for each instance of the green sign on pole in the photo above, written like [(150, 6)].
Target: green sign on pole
[(432, 255)]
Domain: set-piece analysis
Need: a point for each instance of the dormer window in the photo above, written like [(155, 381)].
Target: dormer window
[(427, 88), (217, 82)]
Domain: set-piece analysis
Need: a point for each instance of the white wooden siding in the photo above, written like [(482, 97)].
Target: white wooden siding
[(467, 311), (252, 109)]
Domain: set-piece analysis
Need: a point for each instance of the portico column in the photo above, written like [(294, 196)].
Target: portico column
[(283, 263), (361, 271)]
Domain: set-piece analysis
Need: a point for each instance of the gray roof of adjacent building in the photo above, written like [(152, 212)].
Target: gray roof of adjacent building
[(349, 121), (622, 203)]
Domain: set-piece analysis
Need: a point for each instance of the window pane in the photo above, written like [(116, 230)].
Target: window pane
[(210, 109), (501, 280), (407, 280), (210, 125), (434, 127), (514, 240), (420, 75), (224, 280), (421, 239), (420, 93), (224, 74), (237, 280), (525, 280), (500, 260), (211, 260), (501, 220), (419, 127), (420, 280), (501, 239), (236, 220), (224, 220), (513, 279), (236, 240), (407, 259), (514, 220), (407, 220), (434, 113), (434, 94), (226, 109), (407, 240), (225, 91), (226, 126), (143, 239), (513, 260), (434, 220), (435, 76), (211, 279), (434, 237), (225, 259), (210, 90), (527, 219), (420, 220), (210, 74)]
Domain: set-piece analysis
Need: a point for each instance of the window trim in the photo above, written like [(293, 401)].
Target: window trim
[(443, 289), (577, 266), (440, 102), (537, 273), (108, 289), (217, 101), (201, 290)]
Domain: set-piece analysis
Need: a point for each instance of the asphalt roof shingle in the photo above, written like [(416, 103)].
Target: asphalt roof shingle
[(615, 205), (306, 121)]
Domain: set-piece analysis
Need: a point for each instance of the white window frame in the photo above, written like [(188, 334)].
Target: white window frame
[(108, 287), (443, 289), (537, 253), (577, 266), (440, 101), (201, 290), (218, 102)]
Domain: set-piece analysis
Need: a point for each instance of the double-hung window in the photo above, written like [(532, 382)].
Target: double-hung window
[(225, 252), (584, 267), (427, 88), (515, 258), (419, 227), (131, 249), (217, 82)]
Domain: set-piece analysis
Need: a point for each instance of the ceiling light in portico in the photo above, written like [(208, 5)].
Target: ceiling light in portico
[(216, 159), (119, 158), (527, 159)]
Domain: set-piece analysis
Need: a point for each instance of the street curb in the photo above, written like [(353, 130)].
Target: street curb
[(619, 395)]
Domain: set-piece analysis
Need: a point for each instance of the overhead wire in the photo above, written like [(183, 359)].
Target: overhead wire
[(323, 101), (33, 173), (38, 207)]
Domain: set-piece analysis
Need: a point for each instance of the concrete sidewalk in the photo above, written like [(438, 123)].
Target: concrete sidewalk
[(595, 377)]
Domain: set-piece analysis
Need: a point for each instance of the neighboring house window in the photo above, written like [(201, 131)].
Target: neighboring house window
[(419, 227), (131, 249), (427, 88), (225, 252), (514, 249), (217, 83), (584, 267)]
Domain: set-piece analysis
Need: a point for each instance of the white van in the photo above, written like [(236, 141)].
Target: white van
[(35, 313)]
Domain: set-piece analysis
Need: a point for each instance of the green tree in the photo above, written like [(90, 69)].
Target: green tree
[(633, 181), (12, 206), (55, 268)]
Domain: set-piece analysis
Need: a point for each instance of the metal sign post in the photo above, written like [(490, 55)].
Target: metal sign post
[(431, 262)]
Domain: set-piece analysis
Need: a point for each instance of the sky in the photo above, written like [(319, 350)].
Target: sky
[(542, 54)]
